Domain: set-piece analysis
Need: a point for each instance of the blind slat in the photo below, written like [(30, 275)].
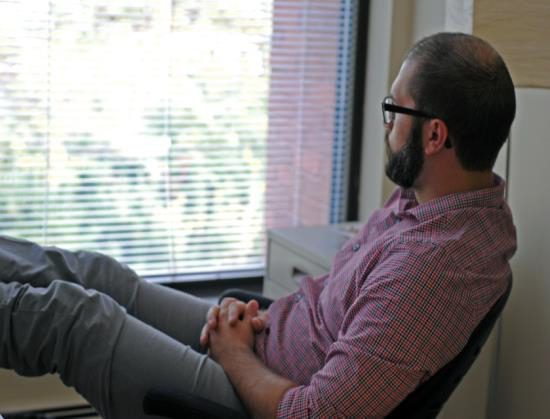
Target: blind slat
[(170, 134)]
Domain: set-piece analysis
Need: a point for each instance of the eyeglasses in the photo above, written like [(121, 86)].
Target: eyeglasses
[(389, 110)]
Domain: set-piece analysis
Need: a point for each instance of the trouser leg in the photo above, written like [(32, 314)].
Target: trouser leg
[(62, 328), (177, 314), (110, 358), (172, 366)]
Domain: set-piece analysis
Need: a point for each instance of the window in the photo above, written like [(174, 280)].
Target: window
[(171, 134)]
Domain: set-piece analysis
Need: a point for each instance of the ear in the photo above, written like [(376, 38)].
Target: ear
[(435, 136)]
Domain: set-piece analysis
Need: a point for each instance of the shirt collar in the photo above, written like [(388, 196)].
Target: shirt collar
[(492, 197)]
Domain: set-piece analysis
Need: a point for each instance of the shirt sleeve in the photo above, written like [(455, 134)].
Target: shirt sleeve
[(410, 317)]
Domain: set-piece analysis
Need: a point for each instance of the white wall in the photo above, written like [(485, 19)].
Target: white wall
[(522, 385), (428, 18), (377, 86)]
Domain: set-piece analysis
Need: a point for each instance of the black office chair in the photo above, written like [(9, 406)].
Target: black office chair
[(423, 403)]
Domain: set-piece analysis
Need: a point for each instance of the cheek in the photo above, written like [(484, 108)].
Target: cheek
[(392, 141), (397, 137)]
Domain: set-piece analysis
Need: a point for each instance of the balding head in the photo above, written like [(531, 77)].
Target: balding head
[(464, 81)]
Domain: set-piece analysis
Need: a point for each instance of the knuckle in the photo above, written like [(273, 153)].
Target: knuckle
[(227, 301)]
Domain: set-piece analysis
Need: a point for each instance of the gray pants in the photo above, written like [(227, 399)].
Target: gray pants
[(106, 332)]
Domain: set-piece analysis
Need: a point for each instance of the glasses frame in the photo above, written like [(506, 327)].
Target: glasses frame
[(390, 107)]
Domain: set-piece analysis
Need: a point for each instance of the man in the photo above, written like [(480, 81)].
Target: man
[(400, 301)]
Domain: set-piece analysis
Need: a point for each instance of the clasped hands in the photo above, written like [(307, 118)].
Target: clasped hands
[(231, 326)]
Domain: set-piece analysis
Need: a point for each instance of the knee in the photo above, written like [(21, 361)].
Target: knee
[(75, 300), (68, 312), (61, 301), (98, 265), (58, 322)]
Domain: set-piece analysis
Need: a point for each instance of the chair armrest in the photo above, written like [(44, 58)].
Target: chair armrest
[(246, 296)]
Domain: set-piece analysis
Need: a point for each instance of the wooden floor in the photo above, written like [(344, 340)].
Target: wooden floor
[(25, 394)]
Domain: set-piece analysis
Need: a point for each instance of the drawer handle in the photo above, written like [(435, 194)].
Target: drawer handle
[(297, 275)]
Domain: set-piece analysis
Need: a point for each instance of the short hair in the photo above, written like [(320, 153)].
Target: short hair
[(464, 81)]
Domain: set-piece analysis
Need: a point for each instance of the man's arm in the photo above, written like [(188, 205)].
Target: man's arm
[(231, 345), (410, 318)]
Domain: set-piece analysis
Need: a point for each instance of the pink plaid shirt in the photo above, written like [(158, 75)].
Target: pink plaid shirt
[(401, 300)]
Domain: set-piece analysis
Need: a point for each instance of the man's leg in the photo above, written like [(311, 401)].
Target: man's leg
[(110, 358), (177, 314)]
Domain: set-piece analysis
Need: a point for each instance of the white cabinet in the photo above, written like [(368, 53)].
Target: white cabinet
[(298, 251)]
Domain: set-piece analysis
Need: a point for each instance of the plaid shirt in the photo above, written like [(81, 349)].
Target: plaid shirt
[(401, 300)]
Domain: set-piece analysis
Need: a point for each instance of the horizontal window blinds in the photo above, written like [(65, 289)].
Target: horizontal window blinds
[(167, 134)]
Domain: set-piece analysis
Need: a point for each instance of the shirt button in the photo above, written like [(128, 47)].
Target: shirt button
[(356, 247)]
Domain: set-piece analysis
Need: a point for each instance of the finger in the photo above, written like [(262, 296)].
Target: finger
[(224, 306), (227, 301), (204, 336), (258, 324), (211, 312), (252, 308), (212, 317), (236, 311)]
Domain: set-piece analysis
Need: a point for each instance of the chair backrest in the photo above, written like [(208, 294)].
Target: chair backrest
[(427, 400)]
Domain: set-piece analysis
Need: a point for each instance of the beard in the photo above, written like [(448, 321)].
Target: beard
[(404, 166)]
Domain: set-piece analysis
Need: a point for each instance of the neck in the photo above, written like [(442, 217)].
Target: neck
[(450, 183)]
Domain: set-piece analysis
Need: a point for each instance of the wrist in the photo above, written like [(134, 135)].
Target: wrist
[(233, 352)]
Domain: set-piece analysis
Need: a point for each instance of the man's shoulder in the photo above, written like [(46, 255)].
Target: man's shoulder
[(476, 237)]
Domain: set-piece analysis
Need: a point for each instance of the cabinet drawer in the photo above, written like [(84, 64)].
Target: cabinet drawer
[(287, 268)]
